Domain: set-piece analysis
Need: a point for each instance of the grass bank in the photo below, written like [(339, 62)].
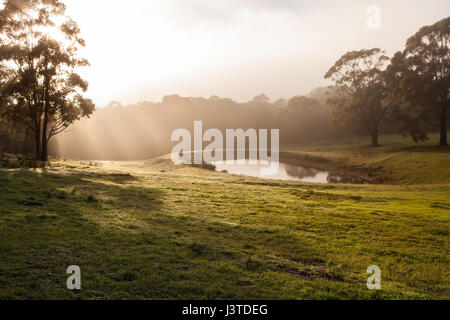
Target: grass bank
[(397, 161)]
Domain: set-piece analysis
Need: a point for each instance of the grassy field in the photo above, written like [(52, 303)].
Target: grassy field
[(155, 231), (397, 161)]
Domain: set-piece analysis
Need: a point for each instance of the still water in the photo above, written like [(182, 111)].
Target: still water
[(287, 172)]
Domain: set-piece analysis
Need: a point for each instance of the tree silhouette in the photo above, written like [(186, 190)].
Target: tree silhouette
[(262, 98), (360, 90), (40, 92), (419, 78)]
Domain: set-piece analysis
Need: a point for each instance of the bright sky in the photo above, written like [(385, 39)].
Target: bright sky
[(145, 49)]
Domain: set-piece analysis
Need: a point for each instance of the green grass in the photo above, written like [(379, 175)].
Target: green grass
[(397, 161), (156, 231)]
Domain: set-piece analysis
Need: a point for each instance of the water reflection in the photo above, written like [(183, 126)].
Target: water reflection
[(287, 172)]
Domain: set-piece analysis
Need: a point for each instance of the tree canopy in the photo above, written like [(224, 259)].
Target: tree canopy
[(419, 79), (360, 95), (41, 93)]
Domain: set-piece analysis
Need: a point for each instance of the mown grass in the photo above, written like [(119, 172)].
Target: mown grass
[(156, 231)]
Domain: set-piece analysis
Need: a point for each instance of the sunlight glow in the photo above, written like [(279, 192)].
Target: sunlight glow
[(145, 49)]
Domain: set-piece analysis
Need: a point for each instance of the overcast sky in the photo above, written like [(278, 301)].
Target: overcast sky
[(145, 49)]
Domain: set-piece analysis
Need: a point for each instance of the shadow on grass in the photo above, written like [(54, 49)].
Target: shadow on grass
[(427, 149), (85, 194), (163, 257)]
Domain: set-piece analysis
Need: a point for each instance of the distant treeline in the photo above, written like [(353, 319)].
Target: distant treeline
[(143, 130)]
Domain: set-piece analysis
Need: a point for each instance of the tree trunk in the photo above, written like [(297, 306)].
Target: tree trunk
[(37, 137), (38, 146), (44, 154), (375, 137), (444, 123), (44, 151)]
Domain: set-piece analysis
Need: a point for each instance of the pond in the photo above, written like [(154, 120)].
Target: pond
[(288, 172)]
